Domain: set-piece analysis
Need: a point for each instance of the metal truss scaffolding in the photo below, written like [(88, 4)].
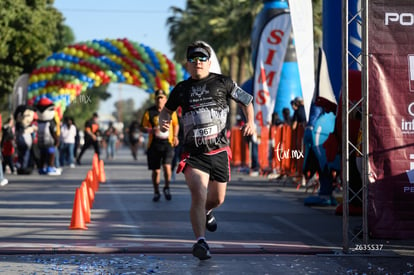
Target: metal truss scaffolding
[(354, 230)]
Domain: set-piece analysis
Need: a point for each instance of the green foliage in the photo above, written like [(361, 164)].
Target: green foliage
[(225, 24), (125, 110), (317, 23), (30, 31)]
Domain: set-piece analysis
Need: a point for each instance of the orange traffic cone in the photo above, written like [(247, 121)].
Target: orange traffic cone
[(95, 176), (95, 161), (95, 170), (93, 182), (77, 221), (89, 190), (102, 176), (85, 203)]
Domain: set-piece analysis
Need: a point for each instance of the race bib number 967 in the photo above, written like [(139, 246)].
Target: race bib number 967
[(205, 132)]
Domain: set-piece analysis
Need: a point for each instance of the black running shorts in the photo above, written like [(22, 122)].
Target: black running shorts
[(217, 165), (159, 153)]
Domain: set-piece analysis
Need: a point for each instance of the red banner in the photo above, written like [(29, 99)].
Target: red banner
[(391, 120)]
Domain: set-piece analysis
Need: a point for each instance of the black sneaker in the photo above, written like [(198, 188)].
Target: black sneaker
[(211, 223), (201, 250), (167, 193), (156, 197)]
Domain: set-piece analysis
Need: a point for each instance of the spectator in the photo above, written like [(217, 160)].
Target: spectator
[(299, 115), (253, 140), (67, 137), (26, 139), (134, 138), (3, 181), (287, 119), (276, 119), (111, 138), (8, 145)]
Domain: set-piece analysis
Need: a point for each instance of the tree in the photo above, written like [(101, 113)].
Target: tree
[(125, 110), (317, 23), (31, 30), (234, 19), (225, 25)]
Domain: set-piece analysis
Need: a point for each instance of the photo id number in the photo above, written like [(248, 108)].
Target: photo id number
[(368, 247)]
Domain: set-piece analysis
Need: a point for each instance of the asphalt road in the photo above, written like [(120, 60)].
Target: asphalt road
[(264, 228)]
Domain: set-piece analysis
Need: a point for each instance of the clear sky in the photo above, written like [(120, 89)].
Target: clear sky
[(140, 21)]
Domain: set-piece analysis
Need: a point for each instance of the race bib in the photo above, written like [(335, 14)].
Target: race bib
[(205, 132)]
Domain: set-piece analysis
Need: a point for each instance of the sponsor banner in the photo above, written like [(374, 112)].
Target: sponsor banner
[(302, 24), (271, 52), (391, 121)]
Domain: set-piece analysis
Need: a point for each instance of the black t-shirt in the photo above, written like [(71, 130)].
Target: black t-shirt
[(299, 115), (134, 132), (205, 108), (93, 126)]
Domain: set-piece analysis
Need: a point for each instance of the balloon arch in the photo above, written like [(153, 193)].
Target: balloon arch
[(66, 74)]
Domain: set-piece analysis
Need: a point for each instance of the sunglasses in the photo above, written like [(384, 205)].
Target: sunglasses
[(198, 58)]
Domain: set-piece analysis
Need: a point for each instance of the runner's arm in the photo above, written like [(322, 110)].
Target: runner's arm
[(248, 128)]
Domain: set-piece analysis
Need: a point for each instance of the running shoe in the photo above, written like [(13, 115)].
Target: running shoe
[(4, 182), (167, 193), (201, 250), (53, 171), (211, 223), (156, 197), (43, 171)]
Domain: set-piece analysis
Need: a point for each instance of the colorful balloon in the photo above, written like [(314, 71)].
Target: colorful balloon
[(66, 74)]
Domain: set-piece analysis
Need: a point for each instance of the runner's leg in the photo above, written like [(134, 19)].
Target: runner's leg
[(197, 182)]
